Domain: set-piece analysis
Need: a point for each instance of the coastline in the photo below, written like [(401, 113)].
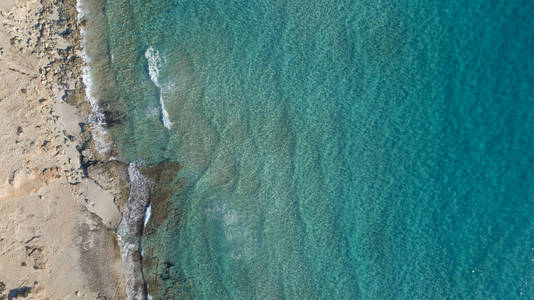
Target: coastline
[(135, 188), (60, 198)]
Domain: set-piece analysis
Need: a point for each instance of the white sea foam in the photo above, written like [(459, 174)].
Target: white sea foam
[(96, 119), (133, 289), (164, 114), (134, 211), (155, 62), (127, 231), (147, 214)]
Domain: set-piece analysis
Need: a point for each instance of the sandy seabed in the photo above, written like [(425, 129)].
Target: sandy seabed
[(60, 200)]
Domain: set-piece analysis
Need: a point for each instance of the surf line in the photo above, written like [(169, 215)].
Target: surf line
[(155, 62), (135, 210), (96, 119), (130, 230)]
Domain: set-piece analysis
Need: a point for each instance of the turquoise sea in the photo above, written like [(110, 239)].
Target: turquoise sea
[(330, 149)]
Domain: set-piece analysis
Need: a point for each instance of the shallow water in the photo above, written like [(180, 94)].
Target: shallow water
[(347, 150)]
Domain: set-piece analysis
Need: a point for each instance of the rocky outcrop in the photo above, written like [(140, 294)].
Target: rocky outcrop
[(60, 199)]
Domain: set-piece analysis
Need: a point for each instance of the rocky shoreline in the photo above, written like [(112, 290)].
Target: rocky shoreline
[(71, 215), (60, 199)]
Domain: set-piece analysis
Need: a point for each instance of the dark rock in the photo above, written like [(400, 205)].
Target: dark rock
[(82, 126), (20, 292), (66, 32), (166, 183), (113, 117), (69, 97)]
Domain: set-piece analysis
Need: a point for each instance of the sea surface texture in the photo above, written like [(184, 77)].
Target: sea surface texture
[(329, 149)]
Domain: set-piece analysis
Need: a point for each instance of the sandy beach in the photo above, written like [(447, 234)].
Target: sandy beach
[(59, 199)]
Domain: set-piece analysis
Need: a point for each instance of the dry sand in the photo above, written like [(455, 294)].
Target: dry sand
[(57, 197)]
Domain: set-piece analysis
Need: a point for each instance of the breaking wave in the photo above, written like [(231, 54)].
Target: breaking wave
[(155, 61), (129, 229), (96, 119)]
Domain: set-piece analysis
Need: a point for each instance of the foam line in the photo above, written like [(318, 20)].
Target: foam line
[(155, 61)]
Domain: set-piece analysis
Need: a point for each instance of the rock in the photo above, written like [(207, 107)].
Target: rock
[(165, 177), (37, 256), (20, 292)]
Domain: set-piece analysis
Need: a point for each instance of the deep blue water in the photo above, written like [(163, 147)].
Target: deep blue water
[(332, 149)]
